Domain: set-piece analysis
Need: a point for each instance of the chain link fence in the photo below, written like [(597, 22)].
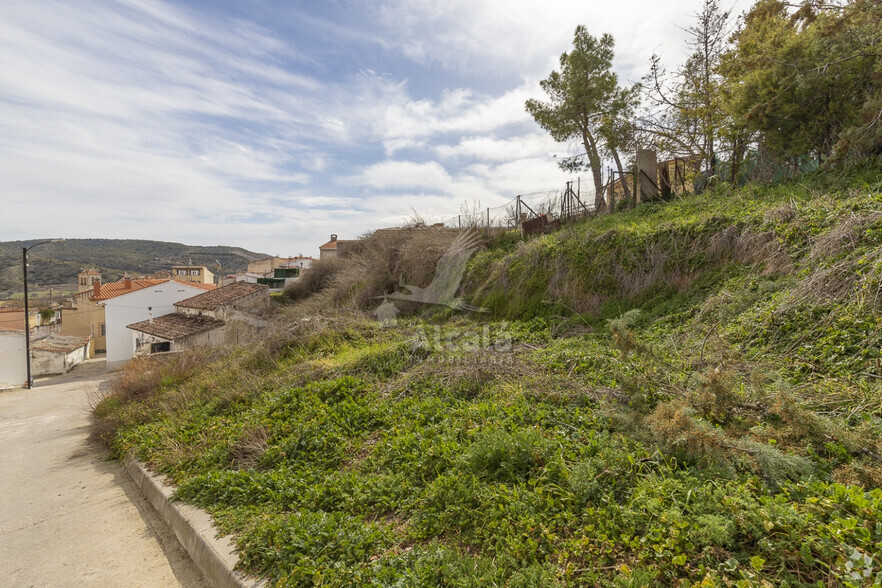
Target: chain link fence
[(568, 203)]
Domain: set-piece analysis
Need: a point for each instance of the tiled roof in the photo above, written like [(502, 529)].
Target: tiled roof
[(334, 244), (197, 284), (60, 343), (176, 326), (221, 296), (115, 289)]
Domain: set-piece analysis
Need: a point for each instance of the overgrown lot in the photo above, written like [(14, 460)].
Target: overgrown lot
[(684, 393)]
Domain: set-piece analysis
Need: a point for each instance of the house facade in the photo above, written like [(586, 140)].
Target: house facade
[(58, 354), (198, 274), (227, 315), (12, 319), (13, 368), (265, 267), (139, 305), (329, 249), (86, 317), (176, 332)]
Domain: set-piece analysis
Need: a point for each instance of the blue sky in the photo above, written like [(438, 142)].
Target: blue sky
[(270, 125)]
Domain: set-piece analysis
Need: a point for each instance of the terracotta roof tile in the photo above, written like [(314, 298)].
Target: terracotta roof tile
[(115, 289), (329, 245), (221, 296), (176, 326), (197, 284)]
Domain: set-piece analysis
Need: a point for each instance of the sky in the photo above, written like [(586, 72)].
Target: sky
[(271, 124)]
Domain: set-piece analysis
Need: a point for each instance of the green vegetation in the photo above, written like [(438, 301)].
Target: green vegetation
[(785, 88), (684, 394), (59, 263), (587, 104)]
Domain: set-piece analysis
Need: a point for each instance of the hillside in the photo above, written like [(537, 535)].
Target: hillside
[(59, 263), (684, 393)]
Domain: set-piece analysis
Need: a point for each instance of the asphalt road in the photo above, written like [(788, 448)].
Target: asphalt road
[(68, 515)]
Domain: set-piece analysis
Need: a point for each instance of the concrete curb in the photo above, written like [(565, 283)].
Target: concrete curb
[(193, 527)]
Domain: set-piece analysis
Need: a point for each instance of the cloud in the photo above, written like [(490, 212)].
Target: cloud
[(518, 37), (270, 126), (489, 148), (404, 174)]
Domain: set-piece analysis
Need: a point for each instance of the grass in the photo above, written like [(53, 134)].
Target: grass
[(626, 429)]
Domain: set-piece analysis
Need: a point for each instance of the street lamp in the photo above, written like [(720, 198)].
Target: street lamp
[(24, 268)]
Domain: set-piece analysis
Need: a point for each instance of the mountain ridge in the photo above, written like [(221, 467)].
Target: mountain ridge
[(59, 263)]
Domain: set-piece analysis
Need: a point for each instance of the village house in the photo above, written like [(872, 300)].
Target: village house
[(13, 319), (85, 318), (335, 248), (58, 354), (264, 267), (53, 354), (227, 315), (198, 274), (13, 368), (275, 272), (133, 305), (176, 332)]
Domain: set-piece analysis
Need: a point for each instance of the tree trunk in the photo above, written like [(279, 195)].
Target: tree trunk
[(623, 179), (594, 163)]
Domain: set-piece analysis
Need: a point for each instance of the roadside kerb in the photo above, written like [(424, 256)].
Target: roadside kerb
[(215, 557)]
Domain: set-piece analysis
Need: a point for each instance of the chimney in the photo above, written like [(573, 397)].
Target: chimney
[(96, 287), (127, 282), (333, 238)]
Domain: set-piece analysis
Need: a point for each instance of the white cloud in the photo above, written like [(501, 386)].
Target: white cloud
[(149, 119), (518, 36), (404, 174), (489, 148)]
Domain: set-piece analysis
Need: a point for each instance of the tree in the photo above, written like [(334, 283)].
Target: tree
[(810, 80), (686, 110), (585, 103)]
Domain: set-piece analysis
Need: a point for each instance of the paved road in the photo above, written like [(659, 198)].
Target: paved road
[(68, 516)]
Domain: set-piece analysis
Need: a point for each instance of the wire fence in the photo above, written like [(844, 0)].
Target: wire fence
[(545, 210), (552, 205)]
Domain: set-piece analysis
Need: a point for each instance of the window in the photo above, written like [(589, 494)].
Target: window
[(195, 272), (103, 330), (182, 272), (160, 347)]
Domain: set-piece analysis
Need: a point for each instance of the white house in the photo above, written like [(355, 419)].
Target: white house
[(58, 354), (230, 314), (13, 368), (123, 310)]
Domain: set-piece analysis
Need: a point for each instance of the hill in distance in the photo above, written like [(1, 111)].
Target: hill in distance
[(59, 263)]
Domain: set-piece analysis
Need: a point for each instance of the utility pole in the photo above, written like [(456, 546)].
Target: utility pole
[(27, 319)]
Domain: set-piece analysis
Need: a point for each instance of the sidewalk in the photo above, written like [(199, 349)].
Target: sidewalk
[(69, 517)]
